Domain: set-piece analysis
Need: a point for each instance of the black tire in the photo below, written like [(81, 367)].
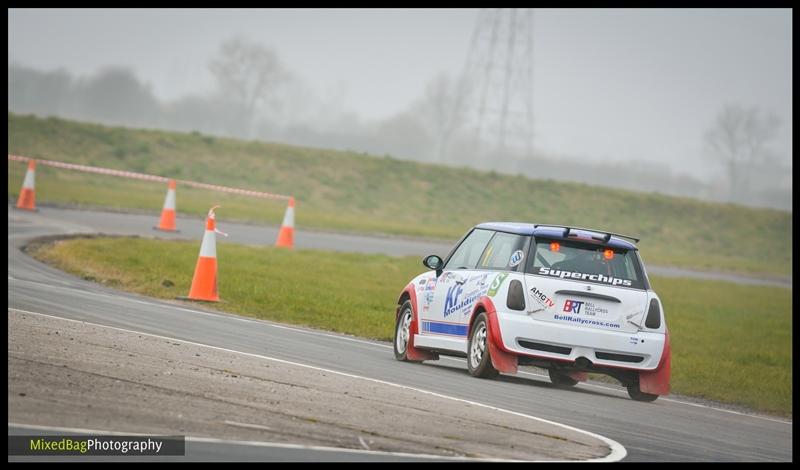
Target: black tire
[(561, 380), (638, 395), (479, 361), (402, 338)]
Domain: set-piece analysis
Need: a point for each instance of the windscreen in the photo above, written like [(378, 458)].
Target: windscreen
[(586, 262)]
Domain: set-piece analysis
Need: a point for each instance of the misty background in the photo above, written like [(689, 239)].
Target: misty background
[(685, 102)]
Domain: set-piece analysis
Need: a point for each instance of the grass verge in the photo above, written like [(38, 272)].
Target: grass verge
[(730, 343), (356, 192)]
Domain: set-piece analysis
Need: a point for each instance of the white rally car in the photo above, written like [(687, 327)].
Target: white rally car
[(567, 299)]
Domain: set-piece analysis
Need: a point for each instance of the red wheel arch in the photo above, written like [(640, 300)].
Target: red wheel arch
[(502, 360), (412, 353)]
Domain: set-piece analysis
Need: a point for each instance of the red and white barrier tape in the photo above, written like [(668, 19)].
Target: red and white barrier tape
[(143, 176)]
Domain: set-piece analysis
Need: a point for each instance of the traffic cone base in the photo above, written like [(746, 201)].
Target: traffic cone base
[(167, 222), (285, 237), (204, 282), (27, 200)]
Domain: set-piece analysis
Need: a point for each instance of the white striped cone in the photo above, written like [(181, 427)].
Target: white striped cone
[(286, 234), (27, 195), (204, 282), (167, 222)]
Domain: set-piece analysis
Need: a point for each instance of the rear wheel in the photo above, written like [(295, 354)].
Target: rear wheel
[(479, 361), (561, 380), (402, 332), (638, 395)]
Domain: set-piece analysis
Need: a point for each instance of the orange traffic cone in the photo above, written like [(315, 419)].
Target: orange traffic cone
[(27, 195), (204, 282), (167, 222), (286, 235)]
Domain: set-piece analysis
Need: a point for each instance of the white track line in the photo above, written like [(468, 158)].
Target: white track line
[(354, 340), (617, 453)]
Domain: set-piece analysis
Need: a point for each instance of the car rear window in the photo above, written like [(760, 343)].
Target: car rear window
[(586, 262)]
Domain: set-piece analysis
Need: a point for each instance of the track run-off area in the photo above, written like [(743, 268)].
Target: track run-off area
[(666, 430)]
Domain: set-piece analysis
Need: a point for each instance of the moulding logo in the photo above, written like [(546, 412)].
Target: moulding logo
[(573, 306), (451, 301)]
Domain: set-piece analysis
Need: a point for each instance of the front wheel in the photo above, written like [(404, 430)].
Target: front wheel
[(479, 361), (638, 395), (402, 332)]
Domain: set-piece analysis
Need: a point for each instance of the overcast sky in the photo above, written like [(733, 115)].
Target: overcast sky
[(608, 84)]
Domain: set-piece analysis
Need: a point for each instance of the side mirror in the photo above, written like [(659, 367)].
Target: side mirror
[(435, 263)]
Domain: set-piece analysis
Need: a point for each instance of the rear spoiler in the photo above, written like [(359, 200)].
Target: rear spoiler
[(606, 235)]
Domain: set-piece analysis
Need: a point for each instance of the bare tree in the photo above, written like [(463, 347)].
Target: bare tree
[(740, 137), (442, 108), (247, 74)]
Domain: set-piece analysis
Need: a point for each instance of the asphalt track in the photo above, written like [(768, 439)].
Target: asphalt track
[(666, 430), (91, 221)]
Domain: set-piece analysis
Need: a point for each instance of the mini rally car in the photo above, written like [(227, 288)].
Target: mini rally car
[(567, 299)]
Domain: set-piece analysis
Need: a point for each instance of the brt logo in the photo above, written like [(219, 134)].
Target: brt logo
[(573, 306)]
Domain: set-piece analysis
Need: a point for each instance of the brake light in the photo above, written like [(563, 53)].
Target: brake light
[(555, 246), (608, 254), (653, 315)]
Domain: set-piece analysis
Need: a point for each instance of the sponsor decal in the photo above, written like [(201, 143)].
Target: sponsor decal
[(633, 340), (431, 284), (516, 258), (481, 278), (614, 281), (451, 301), (592, 309), (464, 306), (452, 304), (422, 282), (584, 321), (427, 301), (582, 306), (442, 328), (630, 316), (540, 297), (446, 277), (573, 306), (496, 283)]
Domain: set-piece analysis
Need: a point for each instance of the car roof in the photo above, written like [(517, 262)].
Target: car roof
[(554, 231)]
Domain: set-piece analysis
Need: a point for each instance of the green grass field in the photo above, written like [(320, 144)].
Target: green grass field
[(355, 192), (730, 343)]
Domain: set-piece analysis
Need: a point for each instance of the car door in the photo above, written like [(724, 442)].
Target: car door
[(504, 256), (457, 281)]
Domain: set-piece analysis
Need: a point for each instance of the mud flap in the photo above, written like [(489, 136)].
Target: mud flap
[(501, 360), (416, 354), (656, 382), (412, 353)]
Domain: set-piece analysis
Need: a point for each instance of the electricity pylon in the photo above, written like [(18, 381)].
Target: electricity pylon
[(497, 82)]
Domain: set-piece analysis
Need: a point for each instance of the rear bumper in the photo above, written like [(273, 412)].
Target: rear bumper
[(526, 336)]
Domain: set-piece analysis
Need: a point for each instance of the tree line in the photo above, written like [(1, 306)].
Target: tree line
[(256, 97)]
